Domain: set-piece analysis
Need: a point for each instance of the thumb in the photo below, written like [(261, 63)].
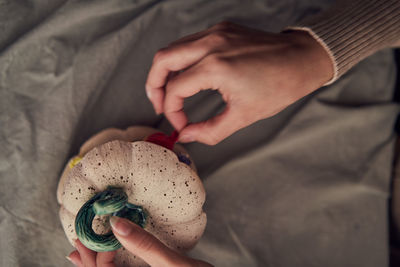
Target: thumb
[(144, 245), (214, 130)]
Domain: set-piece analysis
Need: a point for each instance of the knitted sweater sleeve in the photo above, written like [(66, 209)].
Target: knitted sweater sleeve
[(352, 30)]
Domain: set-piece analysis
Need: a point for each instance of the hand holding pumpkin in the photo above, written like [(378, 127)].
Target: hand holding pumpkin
[(257, 73), (139, 174), (137, 241)]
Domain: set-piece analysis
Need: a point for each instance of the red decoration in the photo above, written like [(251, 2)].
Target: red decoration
[(163, 139)]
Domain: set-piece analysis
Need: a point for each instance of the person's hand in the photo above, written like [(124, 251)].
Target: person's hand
[(137, 241), (257, 73)]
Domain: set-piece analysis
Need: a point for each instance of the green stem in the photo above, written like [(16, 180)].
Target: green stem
[(111, 201)]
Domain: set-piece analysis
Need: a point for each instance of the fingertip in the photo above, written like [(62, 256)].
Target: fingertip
[(188, 134), (157, 111), (123, 227), (156, 97), (185, 136), (212, 131), (186, 139), (174, 111), (74, 258), (178, 119), (148, 92)]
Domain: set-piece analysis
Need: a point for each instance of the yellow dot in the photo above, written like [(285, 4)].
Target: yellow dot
[(75, 160)]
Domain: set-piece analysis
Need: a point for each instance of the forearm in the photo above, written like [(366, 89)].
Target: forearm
[(352, 30)]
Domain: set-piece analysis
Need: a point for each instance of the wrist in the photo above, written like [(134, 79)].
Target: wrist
[(317, 61)]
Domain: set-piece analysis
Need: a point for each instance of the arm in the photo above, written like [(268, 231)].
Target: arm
[(258, 73), (352, 30)]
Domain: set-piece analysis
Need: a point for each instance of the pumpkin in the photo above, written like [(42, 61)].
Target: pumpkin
[(159, 183)]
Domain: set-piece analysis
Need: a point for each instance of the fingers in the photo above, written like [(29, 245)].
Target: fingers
[(195, 55), (169, 60), (214, 130), (137, 241), (182, 86), (84, 257), (88, 256), (143, 244), (75, 258), (105, 259), (179, 56), (156, 97)]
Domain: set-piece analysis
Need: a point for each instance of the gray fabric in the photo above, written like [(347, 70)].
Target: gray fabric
[(308, 187)]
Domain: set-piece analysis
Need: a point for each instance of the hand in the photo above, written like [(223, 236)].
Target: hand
[(257, 73), (137, 241)]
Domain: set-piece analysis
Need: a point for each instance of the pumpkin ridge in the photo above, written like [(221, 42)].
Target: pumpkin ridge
[(183, 222)]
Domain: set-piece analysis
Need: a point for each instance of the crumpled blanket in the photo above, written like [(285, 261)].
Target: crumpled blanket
[(307, 187)]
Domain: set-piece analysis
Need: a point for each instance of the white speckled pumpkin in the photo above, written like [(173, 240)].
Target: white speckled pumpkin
[(152, 177)]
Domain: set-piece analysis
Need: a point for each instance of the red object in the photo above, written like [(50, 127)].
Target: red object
[(163, 139)]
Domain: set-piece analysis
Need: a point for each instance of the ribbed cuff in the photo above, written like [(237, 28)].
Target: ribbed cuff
[(352, 30)]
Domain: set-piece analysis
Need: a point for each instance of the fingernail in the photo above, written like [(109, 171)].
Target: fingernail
[(148, 93), (121, 226), (68, 258), (186, 138)]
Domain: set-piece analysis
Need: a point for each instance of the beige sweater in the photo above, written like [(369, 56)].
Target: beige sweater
[(352, 30)]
